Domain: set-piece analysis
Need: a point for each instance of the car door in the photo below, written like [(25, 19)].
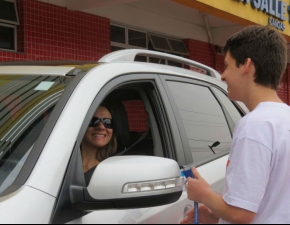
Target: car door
[(206, 119), (165, 137), (203, 112)]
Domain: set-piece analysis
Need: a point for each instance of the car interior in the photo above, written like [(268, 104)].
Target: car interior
[(129, 111)]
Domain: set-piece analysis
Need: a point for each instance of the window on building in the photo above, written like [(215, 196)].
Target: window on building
[(8, 22), (137, 38), (157, 60), (159, 43), (140, 58), (178, 47), (167, 44), (176, 64), (115, 48), (123, 37), (7, 37), (127, 38), (8, 13), (118, 34)]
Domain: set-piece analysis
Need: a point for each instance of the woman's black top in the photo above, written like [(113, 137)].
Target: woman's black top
[(89, 174)]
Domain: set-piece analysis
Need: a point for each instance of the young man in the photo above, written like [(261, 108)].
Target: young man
[(257, 185)]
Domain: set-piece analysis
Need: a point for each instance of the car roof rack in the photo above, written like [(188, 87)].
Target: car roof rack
[(129, 55), (35, 70)]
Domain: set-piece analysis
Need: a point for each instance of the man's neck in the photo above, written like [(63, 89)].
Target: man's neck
[(260, 94)]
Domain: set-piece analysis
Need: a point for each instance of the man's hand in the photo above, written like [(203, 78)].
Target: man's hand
[(197, 189), (205, 216)]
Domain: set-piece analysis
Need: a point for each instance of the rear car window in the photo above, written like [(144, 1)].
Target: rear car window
[(203, 120), (26, 102)]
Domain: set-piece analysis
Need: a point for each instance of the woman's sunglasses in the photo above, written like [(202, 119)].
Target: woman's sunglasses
[(95, 122)]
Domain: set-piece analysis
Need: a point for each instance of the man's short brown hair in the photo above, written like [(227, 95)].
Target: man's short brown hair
[(266, 47)]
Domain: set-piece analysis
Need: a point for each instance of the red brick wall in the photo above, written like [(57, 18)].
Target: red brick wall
[(200, 52), (284, 88), (20, 29), (49, 32), (204, 53), (137, 116), (288, 83), (220, 64)]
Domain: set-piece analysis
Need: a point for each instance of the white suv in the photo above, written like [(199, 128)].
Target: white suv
[(45, 111)]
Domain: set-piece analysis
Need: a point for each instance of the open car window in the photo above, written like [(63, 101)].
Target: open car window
[(134, 134), (26, 102)]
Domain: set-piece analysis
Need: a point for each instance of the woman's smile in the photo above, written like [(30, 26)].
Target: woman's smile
[(100, 135)]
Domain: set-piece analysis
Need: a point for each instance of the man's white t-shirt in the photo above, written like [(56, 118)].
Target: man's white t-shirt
[(258, 172)]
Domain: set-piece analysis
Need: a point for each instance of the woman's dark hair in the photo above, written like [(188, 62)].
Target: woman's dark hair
[(111, 148), (108, 150), (267, 49)]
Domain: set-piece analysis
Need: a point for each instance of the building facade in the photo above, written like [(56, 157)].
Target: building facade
[(73, 30)]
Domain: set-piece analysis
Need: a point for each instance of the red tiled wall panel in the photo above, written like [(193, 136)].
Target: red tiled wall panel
[(200, 52), (203, 52), (288, 79), (284, 88), (137, 116), (49, 32), (20, 29), (220, 65)]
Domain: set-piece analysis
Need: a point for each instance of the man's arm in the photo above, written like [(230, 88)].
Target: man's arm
[(227, 212), (200, 191)]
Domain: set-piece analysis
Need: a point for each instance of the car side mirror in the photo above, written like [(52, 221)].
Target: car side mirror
[(127, 182)]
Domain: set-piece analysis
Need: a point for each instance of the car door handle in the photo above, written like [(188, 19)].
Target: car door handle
[(186, 209)]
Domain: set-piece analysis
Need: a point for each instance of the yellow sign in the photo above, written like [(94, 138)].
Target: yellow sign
[(275, 13)]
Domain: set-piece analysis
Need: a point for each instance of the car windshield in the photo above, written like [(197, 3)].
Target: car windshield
[(26, 103)]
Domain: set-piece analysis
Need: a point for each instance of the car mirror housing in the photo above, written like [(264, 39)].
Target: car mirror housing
[(124, 182)]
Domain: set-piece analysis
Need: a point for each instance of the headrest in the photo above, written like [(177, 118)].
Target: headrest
[(121, 124)]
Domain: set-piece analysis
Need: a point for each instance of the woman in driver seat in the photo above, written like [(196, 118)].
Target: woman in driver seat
[(99, 142)]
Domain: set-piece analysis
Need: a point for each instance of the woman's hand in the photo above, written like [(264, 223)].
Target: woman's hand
[(206, 216)]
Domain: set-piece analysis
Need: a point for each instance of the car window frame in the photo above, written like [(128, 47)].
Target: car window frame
[(157, 142), (141, 78), (120, 81), (189, 158), (241, 112), (63, 203)]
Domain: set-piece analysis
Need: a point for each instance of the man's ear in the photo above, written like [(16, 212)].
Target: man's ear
[(248, 67)]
